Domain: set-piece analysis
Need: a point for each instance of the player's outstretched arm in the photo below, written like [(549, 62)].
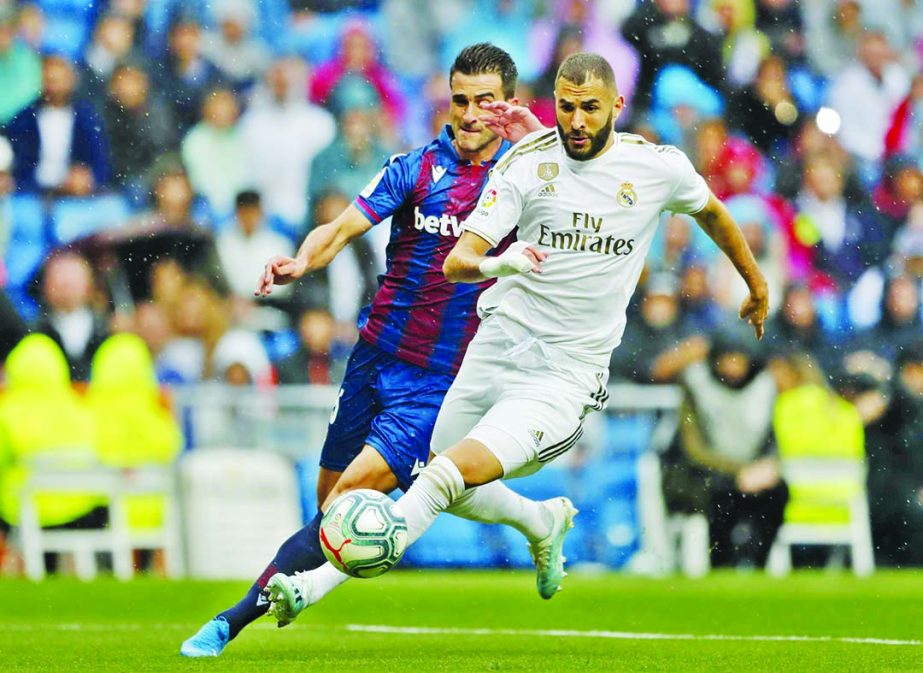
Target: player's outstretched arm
[(717, 222), (468, 261), (509, 121), (317, 251)]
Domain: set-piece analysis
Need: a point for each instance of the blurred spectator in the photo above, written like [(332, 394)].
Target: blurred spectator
[(895, 478), (698, 308), (59, 143), (648, 352), (833, 29), (12, 327), (283, 133), (351, 278), (663, 32), (313, 362), (723, 465), (730, 165), (901, 187), (238, 54), (214, 153), (797, 329), (351, 160), (68, 315), (569, 41), (780, 21), (140, 125), (199, 319), (900, 326), (879, 81), (245, 247), (813, 422), (169, 230), (113, 44), (905, 133), (552, 37), (133, 429), (765, 110), (20, 69), (767, 243), (151, 322), (744, 46), (240, 359), (844, 240), (681, 106), (358, 58), (44, 422), (187, 75)]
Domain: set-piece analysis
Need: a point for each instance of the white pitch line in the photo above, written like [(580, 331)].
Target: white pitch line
[(621, 635), (121, 627)]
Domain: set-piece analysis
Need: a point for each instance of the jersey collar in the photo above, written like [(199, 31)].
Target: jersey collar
[(446, 143)]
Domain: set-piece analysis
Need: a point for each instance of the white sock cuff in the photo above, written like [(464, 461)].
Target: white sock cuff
[(445, 476)]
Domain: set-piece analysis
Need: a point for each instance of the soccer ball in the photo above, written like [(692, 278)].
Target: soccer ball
[(362, 535)]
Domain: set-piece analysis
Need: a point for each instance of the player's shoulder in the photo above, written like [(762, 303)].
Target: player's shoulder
[(533, 148), (664, 157)]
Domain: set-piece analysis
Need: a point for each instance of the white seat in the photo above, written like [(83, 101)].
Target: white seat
[(847, 477), (114, 486), (240, 505)]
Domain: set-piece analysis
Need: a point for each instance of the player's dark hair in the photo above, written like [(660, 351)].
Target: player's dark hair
[(481, 58), (578, 68)]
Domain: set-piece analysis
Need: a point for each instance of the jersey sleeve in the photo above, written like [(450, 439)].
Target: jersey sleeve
[(498, 210), (388, 189), (690, 192)]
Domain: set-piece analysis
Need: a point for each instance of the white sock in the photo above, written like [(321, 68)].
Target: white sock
[(324, 579), (497, 503), (436, 488)]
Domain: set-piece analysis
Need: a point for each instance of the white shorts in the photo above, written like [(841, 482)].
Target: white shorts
[(525, 400)]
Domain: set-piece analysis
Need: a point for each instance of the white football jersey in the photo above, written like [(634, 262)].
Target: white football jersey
[(595, 219)]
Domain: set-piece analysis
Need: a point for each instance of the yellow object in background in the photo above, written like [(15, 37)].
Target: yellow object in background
[(133, 429), (43, 422)]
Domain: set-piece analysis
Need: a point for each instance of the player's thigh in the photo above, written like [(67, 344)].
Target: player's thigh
[(368, 470), (402, 431), (526, 431), (356, 407)]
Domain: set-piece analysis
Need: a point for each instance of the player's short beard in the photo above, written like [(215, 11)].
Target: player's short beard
[(597, 141)]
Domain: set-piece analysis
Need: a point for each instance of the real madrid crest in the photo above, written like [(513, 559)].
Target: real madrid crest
[(548, 171), (627, 196)]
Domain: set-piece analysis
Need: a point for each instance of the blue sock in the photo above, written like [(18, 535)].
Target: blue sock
[(300, 552)]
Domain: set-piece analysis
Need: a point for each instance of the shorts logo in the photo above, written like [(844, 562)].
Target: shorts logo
[(548, 192), (627, 196), (548, 171), (536, 436), (490, 198)]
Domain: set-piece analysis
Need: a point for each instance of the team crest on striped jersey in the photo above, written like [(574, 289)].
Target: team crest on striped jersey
[(627, 197), (548, 170)]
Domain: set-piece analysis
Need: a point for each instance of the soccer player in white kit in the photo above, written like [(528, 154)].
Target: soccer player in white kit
[(586, 201)]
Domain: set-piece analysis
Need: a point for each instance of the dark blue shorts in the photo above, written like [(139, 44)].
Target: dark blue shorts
[(388, 404)]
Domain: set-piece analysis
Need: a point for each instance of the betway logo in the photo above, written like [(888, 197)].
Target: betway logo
[(446, 225)]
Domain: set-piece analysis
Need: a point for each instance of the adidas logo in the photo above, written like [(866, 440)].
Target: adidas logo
[(537, 435), (548, 191)]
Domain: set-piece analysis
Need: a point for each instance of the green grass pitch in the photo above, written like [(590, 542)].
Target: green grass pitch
[(716, 624)]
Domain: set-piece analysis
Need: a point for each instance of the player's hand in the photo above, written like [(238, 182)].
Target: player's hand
[(755, 308), (520, 257), (512, 122), (280, 270)]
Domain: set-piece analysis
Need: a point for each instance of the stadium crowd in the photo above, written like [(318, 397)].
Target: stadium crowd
[(154, 154)]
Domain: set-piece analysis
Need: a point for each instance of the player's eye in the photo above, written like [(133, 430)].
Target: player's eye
[(461, 101)]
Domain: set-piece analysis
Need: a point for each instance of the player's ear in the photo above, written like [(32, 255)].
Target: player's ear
[(617, 106)]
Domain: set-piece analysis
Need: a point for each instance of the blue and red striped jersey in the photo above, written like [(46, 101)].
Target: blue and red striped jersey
[(417, 315)]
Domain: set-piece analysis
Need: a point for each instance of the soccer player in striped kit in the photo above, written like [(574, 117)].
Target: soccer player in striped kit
[(413, 336)]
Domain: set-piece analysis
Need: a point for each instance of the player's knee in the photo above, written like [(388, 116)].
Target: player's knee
[(476, 463)]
